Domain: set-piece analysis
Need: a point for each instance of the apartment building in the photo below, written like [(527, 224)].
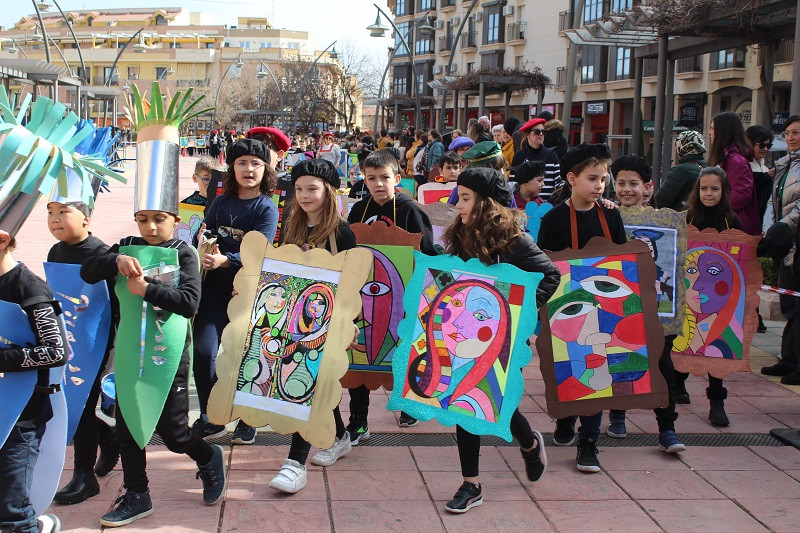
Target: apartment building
[(178, 48), (520, 33)]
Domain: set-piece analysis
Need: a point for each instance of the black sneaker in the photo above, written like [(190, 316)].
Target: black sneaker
[(536, 459), (778, 369), (243, 434), (132, 506), (564, 435), (468, 496), (587, 456), (359, 431), (213, 477), (407, 421), (206, 430)]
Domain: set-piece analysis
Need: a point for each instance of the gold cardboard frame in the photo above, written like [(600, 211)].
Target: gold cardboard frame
[(354, 266)]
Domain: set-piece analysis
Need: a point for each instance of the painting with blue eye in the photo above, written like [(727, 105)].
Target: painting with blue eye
[(602, 343)]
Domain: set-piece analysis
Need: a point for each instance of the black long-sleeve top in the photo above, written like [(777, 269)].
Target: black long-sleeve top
[(555, 234), (408, 217), (21, 286)]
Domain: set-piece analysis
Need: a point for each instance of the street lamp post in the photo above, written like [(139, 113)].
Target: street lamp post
[(239, 64), (303, 83), (44, 32), (453, 46), (119, 54), (266, 71), (377, 30), (74, 38)]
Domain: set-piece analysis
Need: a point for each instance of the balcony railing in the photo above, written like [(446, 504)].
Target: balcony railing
[(445, 43), (516, 31), (689, 64), (784, 52), (469, 39), (565, 20), (561, 77)]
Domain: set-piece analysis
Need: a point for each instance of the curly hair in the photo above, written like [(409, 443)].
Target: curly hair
[(490, 231), (230, 187)]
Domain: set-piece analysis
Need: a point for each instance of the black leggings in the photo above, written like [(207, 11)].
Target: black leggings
[(469, 444), (91, 431), (299, 449)]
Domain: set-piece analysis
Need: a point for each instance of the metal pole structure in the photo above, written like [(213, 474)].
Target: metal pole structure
[(794, 106), (636, 128), (661, 94), (74, 38), (417, 95), (280, 91), (572, 59), (44, 33), (60, 53), (19, 47), (216, 96), (302, 86), (453, 46), (116, 59), (669, 112)]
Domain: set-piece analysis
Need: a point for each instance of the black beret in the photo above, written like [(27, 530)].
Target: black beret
[(634, 163), (487, 182), (582, 152), (510, 124), (319, 168), (528, 170), (247, 147)]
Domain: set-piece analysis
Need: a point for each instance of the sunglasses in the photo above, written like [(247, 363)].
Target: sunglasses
[(537, 132), (765, 145)]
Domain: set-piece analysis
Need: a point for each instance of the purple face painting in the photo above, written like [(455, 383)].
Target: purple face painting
[(714, 281)]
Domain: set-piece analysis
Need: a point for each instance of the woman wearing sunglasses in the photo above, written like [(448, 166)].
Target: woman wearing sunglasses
[(761, 140), (533, 149)]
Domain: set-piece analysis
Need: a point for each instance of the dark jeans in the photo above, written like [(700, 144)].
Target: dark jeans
[(790, 308), (469, 444), (173, 426), (211, 319), (17, 461), (91, 431), (298, 451)]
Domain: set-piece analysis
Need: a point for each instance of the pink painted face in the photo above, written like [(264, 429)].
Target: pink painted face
[(470, 322)]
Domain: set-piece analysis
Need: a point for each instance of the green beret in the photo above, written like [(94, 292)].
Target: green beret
[(482, 154)]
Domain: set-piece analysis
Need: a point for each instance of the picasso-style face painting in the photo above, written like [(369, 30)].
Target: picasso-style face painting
[(602, 330), (288, 327), (191, 220), (459, 358), (661, 243), (719, 318)]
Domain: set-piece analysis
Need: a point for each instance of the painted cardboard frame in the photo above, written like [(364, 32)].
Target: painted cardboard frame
[(654, 335), (353, 266), (721, 367), (520, 324), (378, 233), (673, 225)]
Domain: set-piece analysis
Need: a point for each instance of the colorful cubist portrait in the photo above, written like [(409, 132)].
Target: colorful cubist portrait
[(288, 328), (601, 338), (664, 233), (721, 276), (284, 351), (463, 343), (191, 220)]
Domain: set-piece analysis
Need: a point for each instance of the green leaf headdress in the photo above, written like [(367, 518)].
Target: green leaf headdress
[(35, 156)]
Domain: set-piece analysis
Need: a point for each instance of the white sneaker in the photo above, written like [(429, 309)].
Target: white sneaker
[(340, 448), (291, 478), (49, 523)]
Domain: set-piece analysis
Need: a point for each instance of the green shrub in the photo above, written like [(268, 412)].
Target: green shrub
[(770, 272)]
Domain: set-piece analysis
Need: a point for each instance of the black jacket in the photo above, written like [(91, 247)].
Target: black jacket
[(409, 217), (678, 183)]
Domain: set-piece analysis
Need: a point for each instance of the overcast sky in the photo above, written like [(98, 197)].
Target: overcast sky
[(327, 20)]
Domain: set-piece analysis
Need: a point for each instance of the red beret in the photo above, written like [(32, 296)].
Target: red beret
[(531, 123), (278, 137)]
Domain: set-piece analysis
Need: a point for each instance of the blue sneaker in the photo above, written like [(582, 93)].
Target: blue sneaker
[(616, 424), (132, 506), (213, 477), (669, 442)]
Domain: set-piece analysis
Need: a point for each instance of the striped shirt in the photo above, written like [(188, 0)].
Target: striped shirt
[(552, 169)]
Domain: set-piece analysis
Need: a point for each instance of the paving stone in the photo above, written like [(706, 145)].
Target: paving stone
[(713, 516)]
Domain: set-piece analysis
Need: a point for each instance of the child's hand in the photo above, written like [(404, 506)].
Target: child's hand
[(215, 260), (129, 266), (354, 342), (137, 285), (608, 204)]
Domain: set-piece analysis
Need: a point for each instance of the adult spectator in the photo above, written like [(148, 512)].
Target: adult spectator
[(329, 150), (385, 140), (780, 237), (497, 134), (731, 151), (484, 121), (554, 136), (434, 151), (533, 149), (411, 152), (680, 179), (507, 144), (761, 140)]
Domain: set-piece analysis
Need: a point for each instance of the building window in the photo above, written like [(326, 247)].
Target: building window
[(617, 6), (493, 60), (85, 74), (593, 61), (424, 45), (160, 21), (493, 27), (398, 43), (623, 65), (110, 76), (592, 11), (400, 9), (730, 58), (426, 5), (400, 78), (470, 67), (133, 73), (161, 73)]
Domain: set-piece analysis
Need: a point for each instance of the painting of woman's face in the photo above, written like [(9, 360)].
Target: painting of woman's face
[(276, 300), (470, 321), (713, 283)]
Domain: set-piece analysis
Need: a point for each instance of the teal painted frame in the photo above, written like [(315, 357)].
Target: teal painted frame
[(520, 354)]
